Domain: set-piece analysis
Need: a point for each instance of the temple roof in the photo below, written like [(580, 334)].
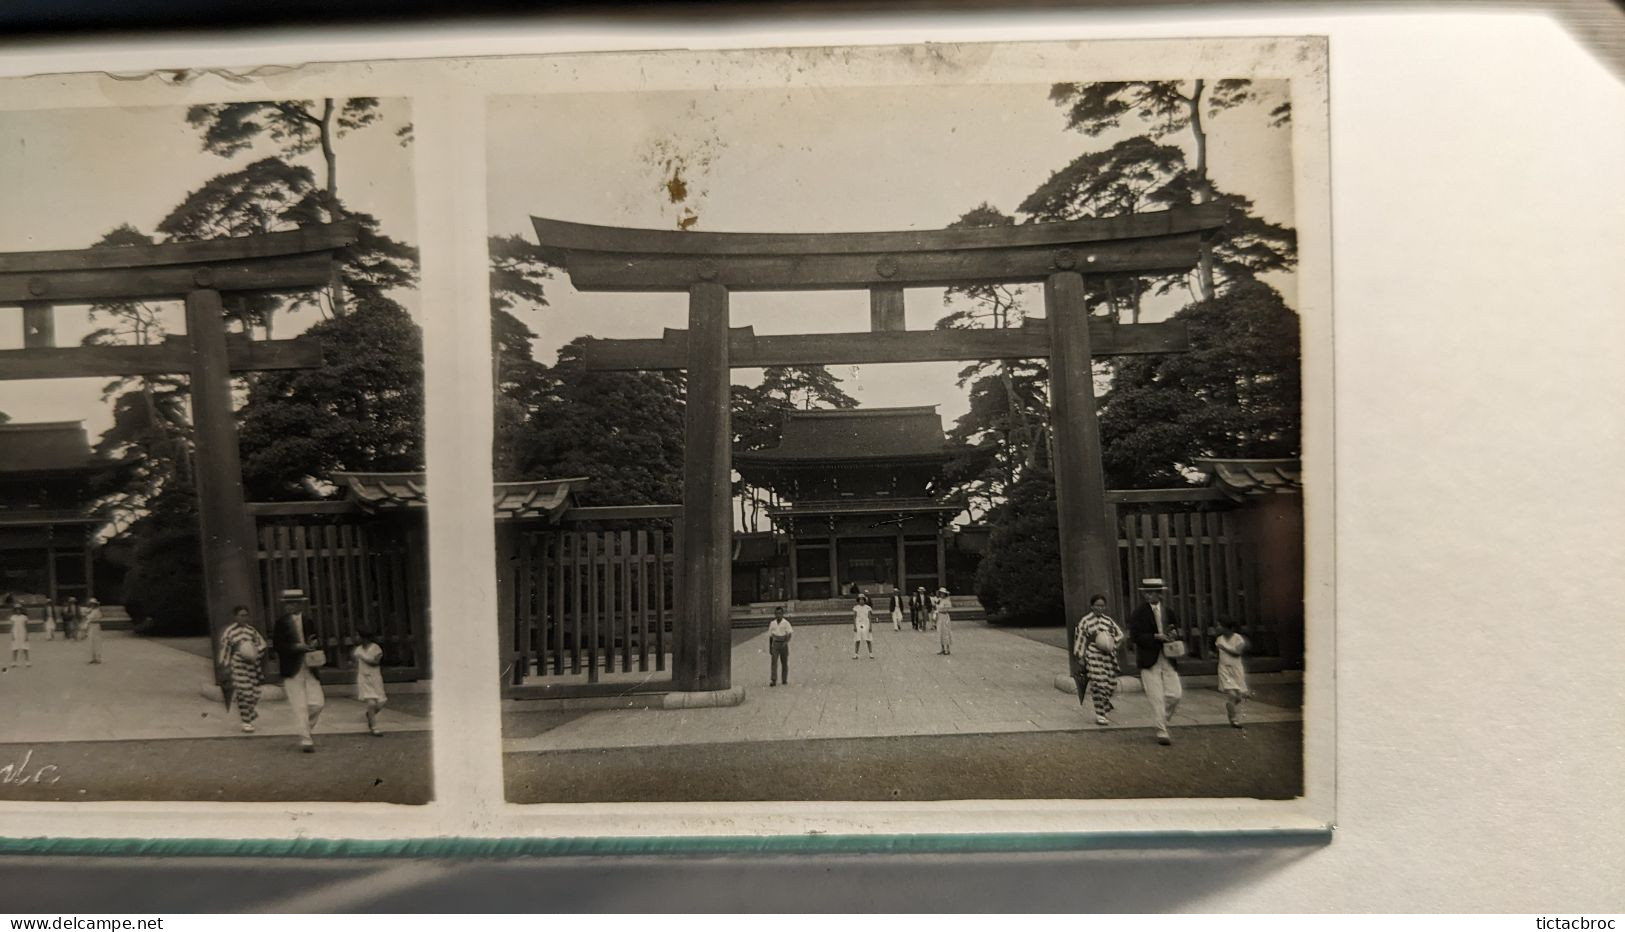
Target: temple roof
[(858, 435), (385, 491), (1242, 478), (52, 446)]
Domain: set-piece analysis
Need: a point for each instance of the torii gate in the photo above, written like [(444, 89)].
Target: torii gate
[(196, 272), (710, 265)]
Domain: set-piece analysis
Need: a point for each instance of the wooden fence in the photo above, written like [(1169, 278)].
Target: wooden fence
[(590, 602), (358, 577), (1210, 568)]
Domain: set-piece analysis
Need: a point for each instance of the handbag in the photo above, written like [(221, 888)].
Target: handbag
[(316, 658), (1105, 643), (1173, 650)]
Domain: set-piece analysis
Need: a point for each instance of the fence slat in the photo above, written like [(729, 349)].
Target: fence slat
[(345, 534), (544, 602), (1232, 580), (592, 543), (577, 586), (662, 603), (558, 604), (519, 624), (642, 584)]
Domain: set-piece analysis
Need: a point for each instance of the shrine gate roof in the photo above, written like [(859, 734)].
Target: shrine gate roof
[(1244, 478), (854, 436), (386, 491), (52, 446)]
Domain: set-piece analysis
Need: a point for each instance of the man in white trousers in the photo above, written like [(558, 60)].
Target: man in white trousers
[(296, 645), (1153, 628)]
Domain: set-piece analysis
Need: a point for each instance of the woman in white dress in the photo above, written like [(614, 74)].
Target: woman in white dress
[(943, 615), (93, 629)]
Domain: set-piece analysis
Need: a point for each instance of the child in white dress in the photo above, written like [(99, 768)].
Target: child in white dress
[(1232, 673), (862, 619), (369, 679), (19, 637)]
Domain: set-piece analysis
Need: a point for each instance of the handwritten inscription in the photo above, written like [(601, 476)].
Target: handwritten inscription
[(21, 772)]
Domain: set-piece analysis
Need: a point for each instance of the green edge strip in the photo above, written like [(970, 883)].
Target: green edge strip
[(623, 846)]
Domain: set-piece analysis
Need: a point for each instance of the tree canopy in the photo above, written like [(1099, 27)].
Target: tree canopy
[(361, 410), (1235, 393), (621, 430)]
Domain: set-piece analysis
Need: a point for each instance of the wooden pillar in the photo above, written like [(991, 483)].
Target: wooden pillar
[(795, 572), (703, 649), (1088, 544), (902, 560), (834, 567), (50, 563), (39, 325), (90, 564), (942, 558), (225, 528)]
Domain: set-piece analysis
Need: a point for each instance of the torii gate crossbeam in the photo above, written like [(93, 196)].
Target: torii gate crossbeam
[(710, 265), (196, 272)]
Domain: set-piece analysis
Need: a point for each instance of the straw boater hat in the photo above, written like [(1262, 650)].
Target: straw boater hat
[(1152, 582), (293, 595)]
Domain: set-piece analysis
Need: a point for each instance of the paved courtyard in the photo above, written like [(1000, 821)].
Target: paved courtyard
[(151, 688), (995, 681)]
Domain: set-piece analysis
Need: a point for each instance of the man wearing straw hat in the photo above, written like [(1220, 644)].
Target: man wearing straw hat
[(1154, 628), (299, 655)]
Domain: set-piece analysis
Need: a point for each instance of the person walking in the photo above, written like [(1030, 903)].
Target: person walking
[(299, 656), (862, 620), (944, 616), (242, 654), (1232, 671), (93, 629), (919, 608), (51, 622), (1098, 639), (896, 608), (778, 648), (1157, 645), (69, 610), (19, 636), (369, 679)]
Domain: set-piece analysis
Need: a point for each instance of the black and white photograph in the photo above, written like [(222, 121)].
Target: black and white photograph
[(212, 510), (924, 440)]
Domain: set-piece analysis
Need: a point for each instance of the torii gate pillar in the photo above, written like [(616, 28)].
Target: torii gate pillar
[(1088, 534), (701, 660), (224, 526)]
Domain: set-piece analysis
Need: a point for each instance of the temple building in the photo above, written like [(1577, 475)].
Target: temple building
[(47, 529), (861, 507)]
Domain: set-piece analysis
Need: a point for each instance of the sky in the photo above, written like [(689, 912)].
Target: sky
[(813, 160), (69, 176)]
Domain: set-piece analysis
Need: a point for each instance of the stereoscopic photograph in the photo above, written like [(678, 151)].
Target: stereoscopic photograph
[(212, 513), (927, 440)]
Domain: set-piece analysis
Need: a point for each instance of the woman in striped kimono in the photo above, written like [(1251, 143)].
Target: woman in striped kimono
[(241, 648), (1099, 637)]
